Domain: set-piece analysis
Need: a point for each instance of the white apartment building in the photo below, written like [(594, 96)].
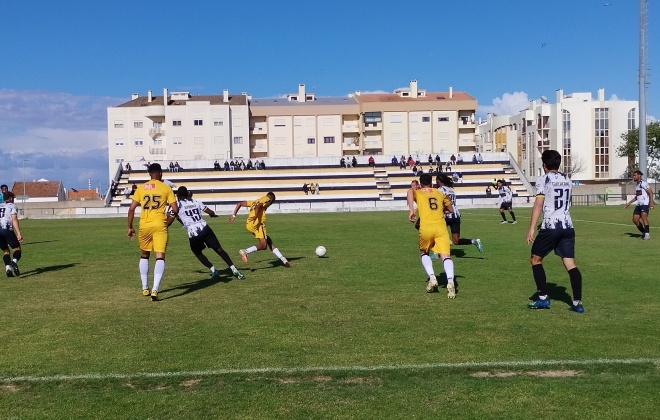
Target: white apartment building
[(191, 128), (585, 131), (182, 128)]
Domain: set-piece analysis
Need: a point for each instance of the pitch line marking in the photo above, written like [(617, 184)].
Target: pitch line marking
[(293, 370)]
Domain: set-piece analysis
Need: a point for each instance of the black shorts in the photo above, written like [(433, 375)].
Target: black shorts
[(507, 205), (205, 238), (8, 239), (639, 209), (454, 224), (562, 241)]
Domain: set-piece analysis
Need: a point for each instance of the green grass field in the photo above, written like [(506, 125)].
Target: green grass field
[(352, 335)]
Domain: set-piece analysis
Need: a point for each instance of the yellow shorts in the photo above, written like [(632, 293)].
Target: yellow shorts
[(434, 237), (258, 230), (153, 238)]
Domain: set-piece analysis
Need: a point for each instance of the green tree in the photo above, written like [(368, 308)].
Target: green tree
[(630, 149)]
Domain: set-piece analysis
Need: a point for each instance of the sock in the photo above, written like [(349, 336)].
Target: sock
[(7, 259), (279, 255), (212, 269), (251, 249), (17, 255), (428, 265), (233, 268), (640, 227), (513, 216), (576, 282), (144, 272), (448, 264), (159, 269), (464, 241), (540, 280), (503, 216), (646, 230)]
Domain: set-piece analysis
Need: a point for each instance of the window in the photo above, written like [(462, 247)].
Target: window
[(566, 139), (329, 139), (311, 140), (631, 119), (414, 118), (119, 142), (443, 118), (297, 121), (601, 143), (218, 122), (198, 122), (395, 118), (176, 123), (157, 124), (158, 142), (137, 124), (372, 117), (177, 140), (139, 142), (238, 140), (119, 160), (279, 122), (119, 124), (426, 119)]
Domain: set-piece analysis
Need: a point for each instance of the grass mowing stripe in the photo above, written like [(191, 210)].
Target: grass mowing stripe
[(492, 364)]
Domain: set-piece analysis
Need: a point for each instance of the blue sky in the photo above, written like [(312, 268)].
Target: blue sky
[(64, 63)]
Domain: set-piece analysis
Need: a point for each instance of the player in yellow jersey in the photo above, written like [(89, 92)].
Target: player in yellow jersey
[(153, 197), (432, 205), (256, 225)]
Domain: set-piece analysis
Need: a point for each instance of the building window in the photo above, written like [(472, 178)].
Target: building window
[(566, 139), (601, 143), (280, 122), (329, 139), (158, 142), (198, 122), (137, 124), (311, 140), (443, 119), (139, 142), (119, 142), (119, 124), (631, 119), (426, 119), (217, 122), (119, 160), (177, 140), (238, 140), (395, 118), (176, 123), (413, 118), (372, 117)]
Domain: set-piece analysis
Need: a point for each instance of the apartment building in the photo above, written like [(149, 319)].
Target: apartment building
[(586, 131)]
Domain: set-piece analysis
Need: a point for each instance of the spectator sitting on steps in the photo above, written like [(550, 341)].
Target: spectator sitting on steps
[(395, 162), (474, 158), (480, 159), (342, 162), (452, 159), (354, 162), (488, 193), (372, 162), (305, 188), (312, 188)]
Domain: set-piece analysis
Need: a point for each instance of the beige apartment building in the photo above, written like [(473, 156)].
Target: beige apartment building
[(196, 129)]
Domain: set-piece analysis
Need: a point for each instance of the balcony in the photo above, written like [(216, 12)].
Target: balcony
[(373, 144), (158, 150), (259, 128), (155, 111), (156, 132), (260, 146), (466, 122), (351, 144), (350, 128), (373, 126)]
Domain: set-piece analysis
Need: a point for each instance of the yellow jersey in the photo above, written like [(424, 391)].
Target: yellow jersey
[(253, 205), (154, 197), (430, 205)]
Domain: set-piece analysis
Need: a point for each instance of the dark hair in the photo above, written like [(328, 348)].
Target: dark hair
[(551, 159), (271, 194), (4, 186), (445, 179), (638, 172), (154, 167), (182, 192), (425, 179)]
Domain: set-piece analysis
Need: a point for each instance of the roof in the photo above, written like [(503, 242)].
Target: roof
[(37, 189), (341, 100), (75, 194), (158, 100), (430, 96)]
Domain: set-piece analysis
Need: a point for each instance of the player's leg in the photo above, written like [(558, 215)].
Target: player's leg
[(566, 250), (513, 215), (212, 242), (145, 241), (502, 207), (16, 256), (645, 222), (256, 231), (425, 245), (6, 258), (160, 246), (276, 251), (442, 247), (637, 216), (543, 244)]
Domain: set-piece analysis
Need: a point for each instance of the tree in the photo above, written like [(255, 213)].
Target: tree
[(576, 165), (630, 149)]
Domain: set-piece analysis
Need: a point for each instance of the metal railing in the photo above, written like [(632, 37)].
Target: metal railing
[(597, 199)]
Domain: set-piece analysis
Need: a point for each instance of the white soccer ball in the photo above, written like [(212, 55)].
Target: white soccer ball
[(320, 250)]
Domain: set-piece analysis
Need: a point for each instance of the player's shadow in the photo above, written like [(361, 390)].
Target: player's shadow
[(442, 281), (194, 286), (41, 270), (555, 292), (459, 253), (37, 242), (634, 235), (277, 263)]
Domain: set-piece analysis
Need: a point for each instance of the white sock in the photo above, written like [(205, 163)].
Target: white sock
[(448, 264), (212, 268), (233, 268), (279, 255), (159, 269), (251, 250), (428, 265), (144, 272), (7, 267), (576, 302)]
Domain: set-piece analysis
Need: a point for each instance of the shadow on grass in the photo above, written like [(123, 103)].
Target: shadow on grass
[(36, 242), (442, 281), (277, 263), (459, 253), (634, 235), (555, 292), (42, 270), (194, 286)]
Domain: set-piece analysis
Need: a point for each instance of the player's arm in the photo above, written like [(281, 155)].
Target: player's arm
[(632, 200), (238, 207), (447, 205), (173, 213), (536, 213), (410, 199), (17, 228), (131, 217), (209, 212), (649, 191)]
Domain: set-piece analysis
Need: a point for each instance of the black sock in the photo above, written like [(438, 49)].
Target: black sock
[(539, 279), (576, 282), (513, 216), (464, 241), (6, 258), (202, 258), (17, 255), (646, 229), (640, 227), (503, 216)]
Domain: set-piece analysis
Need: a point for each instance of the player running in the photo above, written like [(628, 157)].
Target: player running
[(10, 235), (506, 201), (553, 199), (453, 219), (432, 230), (200, 234), (256, 225), (644, 198)]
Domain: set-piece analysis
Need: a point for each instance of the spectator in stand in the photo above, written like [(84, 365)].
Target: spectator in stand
[(437, 159), (474, 158), (127, 192), (459, 159), (395, 162), (128, 166), (312, 188), (177, 167), (305, 188), (454, 177), (488, 193), (216, 166), (403, 159), (249, 165), (452, 159), (460, 177), (133, 188), (430, 160), (263, 164), (372, 162), (439, 166), (317, 188), (226, 166), (342, 162), (231, 165), (448, 168), (171, 167), (430, 169), (354, 162), (414, 170), (402, 164), (411, 162), (480, 159), (241, 165), (417, 161)]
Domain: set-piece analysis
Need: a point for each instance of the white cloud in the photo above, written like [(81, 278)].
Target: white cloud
[(508, 104), (54, 135)]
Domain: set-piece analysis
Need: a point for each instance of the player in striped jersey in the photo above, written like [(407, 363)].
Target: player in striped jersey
[(556, 233), (506, 201), (453, 219), (644, 198), (10, 234)]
